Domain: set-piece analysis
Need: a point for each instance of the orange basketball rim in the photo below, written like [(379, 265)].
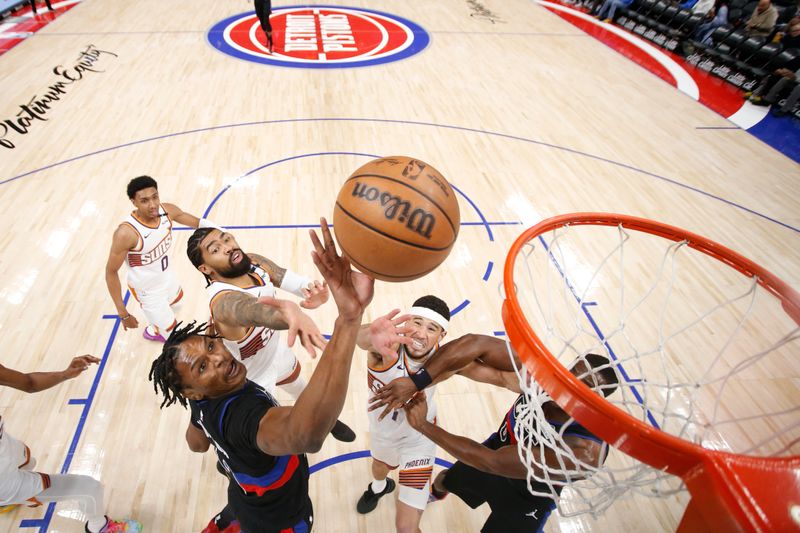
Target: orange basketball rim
[(730, 492)]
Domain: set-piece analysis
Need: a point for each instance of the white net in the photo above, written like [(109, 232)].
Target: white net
[(701, 352)]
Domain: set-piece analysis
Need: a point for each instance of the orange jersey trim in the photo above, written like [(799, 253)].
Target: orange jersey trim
[(139, 238), (133, 214), (177, 298), (292, 375), (133, 292), (386, 367), (27, 457)]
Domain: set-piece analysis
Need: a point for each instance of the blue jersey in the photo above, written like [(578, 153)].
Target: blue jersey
[(506, 436), (265, 493)]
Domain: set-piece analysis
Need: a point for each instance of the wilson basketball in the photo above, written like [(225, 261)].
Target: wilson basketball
[(396, 218)]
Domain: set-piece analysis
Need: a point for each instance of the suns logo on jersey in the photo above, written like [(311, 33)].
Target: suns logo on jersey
[(153, 255), (317, 36), (256, 343)]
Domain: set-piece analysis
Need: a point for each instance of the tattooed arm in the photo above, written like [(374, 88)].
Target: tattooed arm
[(234, 308), (312, 292), (237, 309), (275, 272)]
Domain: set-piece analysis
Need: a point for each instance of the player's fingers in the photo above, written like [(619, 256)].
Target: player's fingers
[(320, 341), (385, 412), (316, 242), (308, 344), (327, 237), (291, 336), (376, 403), (401, 319), (401, 339)]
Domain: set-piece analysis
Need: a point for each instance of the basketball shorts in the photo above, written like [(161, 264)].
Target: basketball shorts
[(157, 300), (414, 454), (512, 511), (18, 484)]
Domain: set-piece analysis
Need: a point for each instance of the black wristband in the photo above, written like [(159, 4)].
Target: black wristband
[(421, 378)]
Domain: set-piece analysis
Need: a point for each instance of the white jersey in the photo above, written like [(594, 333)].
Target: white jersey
[(395, 424), (260, 346), (149, 260)]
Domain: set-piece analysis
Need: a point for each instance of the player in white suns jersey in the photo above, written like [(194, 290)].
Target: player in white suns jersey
[(21, 485), (239, 286), (144, 241), (399, 347)]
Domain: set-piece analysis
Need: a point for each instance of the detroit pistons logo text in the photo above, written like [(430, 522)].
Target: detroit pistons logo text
[(316, 36)]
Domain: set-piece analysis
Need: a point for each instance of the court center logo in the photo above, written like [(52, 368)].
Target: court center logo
[(316, 36)]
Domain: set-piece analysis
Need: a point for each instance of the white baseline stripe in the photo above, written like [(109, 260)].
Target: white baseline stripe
[(682, 78), (749, 115)]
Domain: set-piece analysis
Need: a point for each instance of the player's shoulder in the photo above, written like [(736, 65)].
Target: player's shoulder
[(126, 233)]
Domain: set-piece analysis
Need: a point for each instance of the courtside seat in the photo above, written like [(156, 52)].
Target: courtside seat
[(735, 10), (729, 45), (757, 62), (688, 28), (662, 23), (681, 17), (778, 61)]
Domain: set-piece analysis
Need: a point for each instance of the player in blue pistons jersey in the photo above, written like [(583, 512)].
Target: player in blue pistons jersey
[(491, 472), (261, 445)]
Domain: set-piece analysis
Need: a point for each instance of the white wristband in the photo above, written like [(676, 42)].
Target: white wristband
[(295, 283), (205, 223)]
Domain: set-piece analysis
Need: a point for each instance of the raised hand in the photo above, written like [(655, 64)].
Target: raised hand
[(79, 364), (315, 295), (387, 331), (392, 396), (299, 325), (352, 291)]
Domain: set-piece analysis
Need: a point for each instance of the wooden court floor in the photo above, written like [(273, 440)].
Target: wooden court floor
[(527, 117)]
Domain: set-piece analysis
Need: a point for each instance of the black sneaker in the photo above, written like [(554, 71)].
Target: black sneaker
[(369, 500), (342, 432)]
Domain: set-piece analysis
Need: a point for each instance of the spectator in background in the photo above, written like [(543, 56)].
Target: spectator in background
[(716, 17), (790, 37), (609, 8), (762, 21), (782, 81), (701, 7)]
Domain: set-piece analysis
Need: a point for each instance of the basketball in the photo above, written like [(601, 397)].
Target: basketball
[(396, 218)]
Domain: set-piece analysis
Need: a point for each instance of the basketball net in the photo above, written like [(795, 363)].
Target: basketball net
[(702, 353)]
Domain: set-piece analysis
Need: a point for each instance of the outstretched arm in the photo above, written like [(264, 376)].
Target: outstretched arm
[(179, 215), (234, 308), (303, 427), (483, 373), (39, 381), (312, 292), (503, 461), (449, 359)]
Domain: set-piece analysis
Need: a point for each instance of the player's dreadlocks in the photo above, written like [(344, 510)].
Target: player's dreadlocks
[(193, 250), (163, 373)]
